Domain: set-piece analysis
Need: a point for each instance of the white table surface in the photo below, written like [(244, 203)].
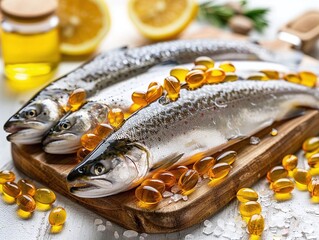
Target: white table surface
[(294, 219)]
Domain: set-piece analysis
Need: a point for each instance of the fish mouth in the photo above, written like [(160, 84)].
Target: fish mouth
[(90, 188), (64, 144)]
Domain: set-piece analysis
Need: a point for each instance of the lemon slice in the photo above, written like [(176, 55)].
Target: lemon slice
[(83, 25), (162, 19)]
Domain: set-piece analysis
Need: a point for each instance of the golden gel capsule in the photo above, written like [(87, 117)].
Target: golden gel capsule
[(313, 187), (77, 99), (230, 77), (256, 225), (227, 157), (312, 183), (246, 195), (139, 98), (103, 130), (309, 154), (227, 67), (115, 117), (274, 132), (308, 79), (283, 185), (188, 181), (247, 209), (172, 86), (195, 78), (89, 141), (215, 75), (313, 161), (26, 187), (57, 216), (11, 189), (292, 77), (276, 173), (178, 170), (81, 154), (154, 93), (203, 165), (206, 61), (219, 170), (200, 67), (7, 176), (26, 203), (148, 195), (158, 184), (258, 76), (301, 176), (180, 73), (167, 177), (44, 196), (290, 162), (310, 144), (271, 74)]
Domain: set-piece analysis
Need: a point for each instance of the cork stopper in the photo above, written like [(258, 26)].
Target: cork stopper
[(28, 9)]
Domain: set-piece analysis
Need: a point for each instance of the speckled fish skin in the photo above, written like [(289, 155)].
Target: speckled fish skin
[(196, 124), (37, 117)]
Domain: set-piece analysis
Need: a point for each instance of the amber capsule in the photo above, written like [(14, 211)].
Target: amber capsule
[(292, 77), (44, 196), (256, 225), (290, 162), (276, 173), (179, 72), (103, 130), (177, 171), (154, 93), (247, 209), (215, 75), (26, 187), (309, 154), (188, 181), (167, 177), (206, 61), (11, 189), (219, 170), (271, 74), (231, 77), (200, 67), (57, 216), (7, 176), (283, 185), (258, 76), (115, 117), (148, 195), (89, 141), (310, 144), (26, 203), (313, 187), (81, 154), (227, 157), (195, 78), (308, 79), (301, 176), (227, 67), (203, 165), (246, 195), (158, 184), (274, 132), (313, 182), (172, 87), (313, 161), (77, 99), (139, 98)]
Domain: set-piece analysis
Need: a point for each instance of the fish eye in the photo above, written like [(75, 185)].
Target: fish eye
[(99, 169), (30, 113), (64, 125)]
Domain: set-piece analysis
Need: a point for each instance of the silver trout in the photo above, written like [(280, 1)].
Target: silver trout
[(163, 134)]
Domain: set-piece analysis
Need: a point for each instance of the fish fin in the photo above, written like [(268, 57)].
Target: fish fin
[(167, 162), (291, 113)]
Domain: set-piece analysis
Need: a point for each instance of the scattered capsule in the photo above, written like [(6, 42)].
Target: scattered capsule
[(219, 170), (309, 154), (177, 171), (11, 189), (215, 75), (308, 79), (292, 77), (77, 99), (188, 181), (195, 78), (313, 161), (247, 209), (256, 225), (283, 185), (200, 67), (103, 130), (274, 132), (227, 157), (230, 77), (57, 216), (203, 165), (206, 61), (154, 93), (258, 76), (276, 173), (115, 117), (310, 144), (172, 87), (301, 176), (246, 195), (158, 184), (271, 74), (180, 73), (26, 203), (148, 195), (81, 154), (26, 187), (289, 162), (313, 187), (227, 67), (44, 196), (7, 176), (167, 177), (89, 141), (139, 98)]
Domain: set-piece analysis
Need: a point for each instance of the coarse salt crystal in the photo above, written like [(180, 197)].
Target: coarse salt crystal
[(208, 230), (101, 228), (130, 234), (176, 197), (208, 223), (167, 194), (116, 235), (221, 223), (254, 140), (185, 198), (189, 237), (218, 232), (175, 189), (98, 221)]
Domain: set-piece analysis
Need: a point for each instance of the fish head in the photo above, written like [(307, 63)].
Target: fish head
[(114, 166), (30, 124)]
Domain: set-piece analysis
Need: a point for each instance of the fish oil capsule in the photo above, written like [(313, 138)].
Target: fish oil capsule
[(89, 141), (203, 165), (195, 78), (308, 79), (256, 225), (139, 98), (215, 75), (227, 67), (177, 171), (312, 183), (158, 184), (148, 195), (26, 187), (283, 185), (57, 216), (188, 181), (313, 161), (172, 87), (200, 67), (81, 154), (313, 188), (310, 144), (271, 74), (230, 77), (227, 157), (115, 117), (26, 203), (206, 61), (103, 130), (179, 72), (219, 170), (154, 93), (247, 209), (301, 176), (276, 173), (274, 132), (258, 76), (11, 189), (290, 162), (246, 195), (77, 99), (309, 154), (44, 196), (167, 177), (7, 176), (292, 77)]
